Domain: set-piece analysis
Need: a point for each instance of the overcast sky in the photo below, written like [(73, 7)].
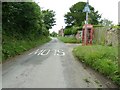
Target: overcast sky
[(108, 9)]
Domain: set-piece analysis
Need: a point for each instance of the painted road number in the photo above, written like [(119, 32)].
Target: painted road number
[(59, 52), (47, 51)]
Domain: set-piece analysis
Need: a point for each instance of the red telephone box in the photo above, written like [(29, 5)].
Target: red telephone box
[(88, 33)]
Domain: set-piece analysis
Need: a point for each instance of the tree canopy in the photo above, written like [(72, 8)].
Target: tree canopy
[(53, 34), (106, 22), (25, 19), (76, 16), (48, 18), (70, 30)]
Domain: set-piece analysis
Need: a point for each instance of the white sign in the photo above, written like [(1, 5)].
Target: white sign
[(86, 9)]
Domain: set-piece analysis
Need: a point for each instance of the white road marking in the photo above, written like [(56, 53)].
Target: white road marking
[(36, 51), (59, 53), (42, 53), (55, 52), (30, 53), (46, 52), (33, 52)]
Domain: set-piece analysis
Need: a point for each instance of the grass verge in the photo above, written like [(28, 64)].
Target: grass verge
[(13, 47), (69, 39), (103, 59)]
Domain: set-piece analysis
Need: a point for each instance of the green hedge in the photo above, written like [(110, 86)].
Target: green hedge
[(101, 58)]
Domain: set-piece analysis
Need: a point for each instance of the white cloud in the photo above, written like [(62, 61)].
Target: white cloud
[(108, 9)]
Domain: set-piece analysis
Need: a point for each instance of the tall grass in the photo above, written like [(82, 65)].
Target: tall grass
[(13, 47), (69, 39), (101, 58)]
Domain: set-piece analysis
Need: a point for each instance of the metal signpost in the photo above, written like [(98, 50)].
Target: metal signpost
[(119, 17), (87, 10)]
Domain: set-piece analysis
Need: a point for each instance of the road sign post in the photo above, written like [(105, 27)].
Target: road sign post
[(87, 10)]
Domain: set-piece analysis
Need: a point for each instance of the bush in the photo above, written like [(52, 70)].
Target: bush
[(101, 58), (53, 34), (67, 32), (71, 30)]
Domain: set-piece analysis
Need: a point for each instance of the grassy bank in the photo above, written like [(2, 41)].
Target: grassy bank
[(13, 47), (69, 39), (103, 59)]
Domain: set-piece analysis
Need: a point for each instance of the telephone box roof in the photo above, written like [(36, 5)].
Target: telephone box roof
[(88, 26)]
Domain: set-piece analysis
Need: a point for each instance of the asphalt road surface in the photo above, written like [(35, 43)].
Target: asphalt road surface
[(50, 66)]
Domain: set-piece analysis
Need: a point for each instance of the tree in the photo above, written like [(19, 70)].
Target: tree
[(26, 20), (106, 22), (71, 30), (48, 18), (76, 16), (21, 19), (22, 27), (54, 34)]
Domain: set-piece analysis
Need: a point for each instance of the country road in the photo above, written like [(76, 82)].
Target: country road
[(51, 65)]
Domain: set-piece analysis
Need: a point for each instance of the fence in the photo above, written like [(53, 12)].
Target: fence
[(106, 36)]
